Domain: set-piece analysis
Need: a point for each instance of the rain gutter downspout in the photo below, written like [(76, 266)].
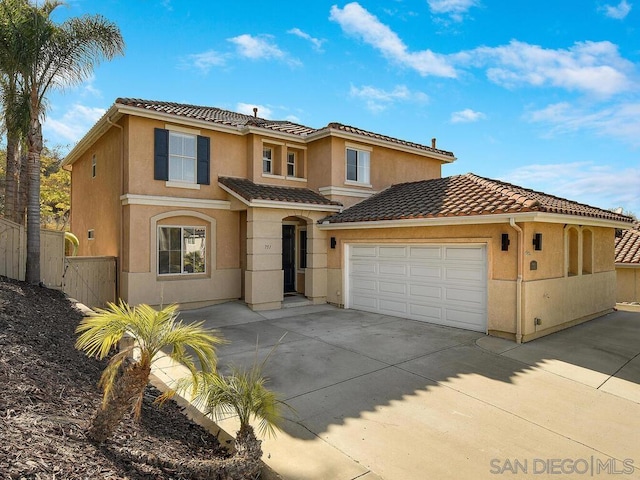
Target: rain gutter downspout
[(121, 239), (513, 224)]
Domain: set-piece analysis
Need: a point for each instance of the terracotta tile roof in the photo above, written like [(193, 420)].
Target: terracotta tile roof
[(365, 133), (252, 191), (234, 119), (628, 247), (462, 195)]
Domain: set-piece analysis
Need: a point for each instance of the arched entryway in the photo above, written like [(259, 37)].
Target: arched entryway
[(294, 254)]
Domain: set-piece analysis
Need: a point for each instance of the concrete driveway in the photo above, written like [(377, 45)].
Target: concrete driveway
[(384, 397)]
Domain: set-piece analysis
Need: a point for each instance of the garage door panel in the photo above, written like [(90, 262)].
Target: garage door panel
[(364, 251), (366, 285), (392, 307), (361, 268), (365, 302), (426, 313), (464, 253), (464, 319), (443, 284), (425, 291), (425, 271), (392, 288), (426, 252), (473, 276), (392, 252), (392, 269), (466, 296)]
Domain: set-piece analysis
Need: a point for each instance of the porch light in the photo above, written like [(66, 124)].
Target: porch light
[(505, 242)]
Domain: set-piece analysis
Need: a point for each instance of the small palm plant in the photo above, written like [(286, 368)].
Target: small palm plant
[(242, 393), (125, 378)]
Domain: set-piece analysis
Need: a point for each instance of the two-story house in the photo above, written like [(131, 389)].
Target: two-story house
[(202, 205)]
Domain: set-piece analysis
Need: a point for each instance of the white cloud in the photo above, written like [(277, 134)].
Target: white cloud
[(355, 20), (74, 123), (378, 100), (467, 116), (598, 185), (205, 60), (454, 8), (592, 67), (620, 121), (260, 48), (247, 109), (316, 42), (619, 12)]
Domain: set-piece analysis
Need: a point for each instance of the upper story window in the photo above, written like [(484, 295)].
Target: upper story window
[(358, 165), (94, 165), (291, 164), (267, 160), (181, 250), (181, 157)]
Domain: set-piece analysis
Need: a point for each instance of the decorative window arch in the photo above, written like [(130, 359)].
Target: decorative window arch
[(209, 240)]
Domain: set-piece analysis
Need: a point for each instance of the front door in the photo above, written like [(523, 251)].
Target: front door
[(289, 257)]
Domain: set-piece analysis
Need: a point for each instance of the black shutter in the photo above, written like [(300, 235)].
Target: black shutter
[(161, 154), (203, 160)]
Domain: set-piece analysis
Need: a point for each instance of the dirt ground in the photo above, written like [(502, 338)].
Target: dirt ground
[(49, 393)]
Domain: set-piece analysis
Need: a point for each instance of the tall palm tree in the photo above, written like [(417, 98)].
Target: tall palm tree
[(124, 379), (47, 56)]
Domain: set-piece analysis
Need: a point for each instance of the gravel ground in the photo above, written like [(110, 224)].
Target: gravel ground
[(49, 393)]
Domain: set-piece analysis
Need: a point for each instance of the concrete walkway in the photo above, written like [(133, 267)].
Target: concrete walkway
[(382, 397)]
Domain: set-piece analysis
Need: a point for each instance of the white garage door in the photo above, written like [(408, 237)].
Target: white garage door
[(443, 284)]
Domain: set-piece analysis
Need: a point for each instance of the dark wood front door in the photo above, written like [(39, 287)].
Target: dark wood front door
[(289, 257)]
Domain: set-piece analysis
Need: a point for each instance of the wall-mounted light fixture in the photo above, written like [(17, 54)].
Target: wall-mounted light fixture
[(537, 241), (333, 242), (505, 242)]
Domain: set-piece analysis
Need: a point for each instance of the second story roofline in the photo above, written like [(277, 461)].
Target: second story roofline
[(235, 123)]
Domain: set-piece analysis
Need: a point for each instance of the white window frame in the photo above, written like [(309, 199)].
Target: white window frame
[(267, 160), (291, 162), (182, 251), (363, 166), (183, 158)]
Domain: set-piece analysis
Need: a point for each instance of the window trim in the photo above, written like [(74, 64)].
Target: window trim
[(291, 162), (269, 160), (360, 171), (183, 157), (182, 253)]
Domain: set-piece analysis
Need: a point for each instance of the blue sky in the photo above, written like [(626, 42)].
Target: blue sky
[(543, 94)]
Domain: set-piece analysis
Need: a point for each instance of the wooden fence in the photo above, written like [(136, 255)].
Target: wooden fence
[(90, 280)]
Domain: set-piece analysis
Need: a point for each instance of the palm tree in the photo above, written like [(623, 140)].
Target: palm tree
[(242, 393), (124, 379), (47, 56)]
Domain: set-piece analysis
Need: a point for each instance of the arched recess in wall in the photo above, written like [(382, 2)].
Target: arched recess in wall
[(160, 219), (572, 242), (587, 251)]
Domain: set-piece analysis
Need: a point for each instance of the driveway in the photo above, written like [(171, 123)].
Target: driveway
[(383, 397)]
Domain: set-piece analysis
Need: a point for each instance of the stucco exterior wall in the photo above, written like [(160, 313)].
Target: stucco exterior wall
[(628, 283), (140, 280), (548, 293), (96, 201)]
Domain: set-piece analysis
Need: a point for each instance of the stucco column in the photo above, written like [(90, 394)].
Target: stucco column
[(264, 276), (315, 286)]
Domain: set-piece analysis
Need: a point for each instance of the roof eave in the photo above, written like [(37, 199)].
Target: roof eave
[(326, 132), (99, 128), (279, 204), (477, 220)]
